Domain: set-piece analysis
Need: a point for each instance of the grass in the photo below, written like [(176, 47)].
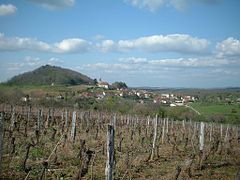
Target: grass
[(32, 87), (223, 113), (210, 109)]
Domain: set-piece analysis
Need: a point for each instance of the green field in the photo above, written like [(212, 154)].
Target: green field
[(219, 112)]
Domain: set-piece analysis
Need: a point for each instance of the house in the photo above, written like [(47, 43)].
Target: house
[(103, 85), (173, 105), (122, 94), (147, 95), (165, 96), (163, 101), (179, 103), (138, 94)]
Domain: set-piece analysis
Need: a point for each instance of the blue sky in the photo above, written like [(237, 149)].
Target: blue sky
[(159, 43)]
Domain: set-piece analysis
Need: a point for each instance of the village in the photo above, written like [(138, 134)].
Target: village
[(104, 89)]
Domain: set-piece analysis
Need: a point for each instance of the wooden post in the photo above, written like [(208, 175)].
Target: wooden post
[(183, 125), (154, 137), (148, 121), (201, 137), (189, 128), (39, 120), (73, 131), (62, 117), (26, 123), (194, 131), (114, 121), (210, 133), (221, 131), (226, 135), (66, 119), (48, 118), (110, 153), (163, 130), (1, 140), (13, 118), (167, 126)]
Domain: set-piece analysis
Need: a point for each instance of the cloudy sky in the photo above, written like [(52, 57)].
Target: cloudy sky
[(158, 43)]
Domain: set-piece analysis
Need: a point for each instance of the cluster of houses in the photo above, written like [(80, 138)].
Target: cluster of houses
[(103, 90), (174, 99), (141, 96)]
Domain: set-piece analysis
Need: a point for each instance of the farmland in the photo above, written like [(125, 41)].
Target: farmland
[(213, 110), (208, 109), (54, 132), (42, 143)]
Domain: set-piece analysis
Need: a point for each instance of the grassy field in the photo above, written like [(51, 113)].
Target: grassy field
[(210, 109), (231, 112)]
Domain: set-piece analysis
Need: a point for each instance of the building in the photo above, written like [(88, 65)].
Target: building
[(103, 85), (165, 96)]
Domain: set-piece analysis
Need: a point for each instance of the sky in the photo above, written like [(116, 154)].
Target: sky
[(156, 43)]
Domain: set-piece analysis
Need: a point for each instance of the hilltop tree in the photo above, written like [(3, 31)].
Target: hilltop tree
[(95, 82), (119, 85)]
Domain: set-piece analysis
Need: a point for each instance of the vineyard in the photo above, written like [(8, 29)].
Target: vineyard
[(41, 143)]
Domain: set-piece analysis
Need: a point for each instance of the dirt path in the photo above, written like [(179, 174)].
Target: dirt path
[(193, 109)]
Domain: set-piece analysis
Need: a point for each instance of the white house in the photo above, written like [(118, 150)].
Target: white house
[(165, 96), (103, 85)]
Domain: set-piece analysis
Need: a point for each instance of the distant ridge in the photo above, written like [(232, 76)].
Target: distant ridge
[(48, 75)]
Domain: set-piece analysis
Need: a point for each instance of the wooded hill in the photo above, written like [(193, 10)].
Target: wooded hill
[(48, 75)]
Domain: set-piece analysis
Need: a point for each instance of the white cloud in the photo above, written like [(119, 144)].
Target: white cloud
[(74, 45), (7, 9), (133, 60), (174, 43), (14, 66), (180, 4), (27, 62), (54, 4), (106, 46), (154, 5), (179, 62), (17, 43), (134, 66), (99, 37), (230, 46), (31, 61), (54, 61), (106, 67), (225, 71), (191, 62), (209, 71), (71, 46), (180, 43)]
